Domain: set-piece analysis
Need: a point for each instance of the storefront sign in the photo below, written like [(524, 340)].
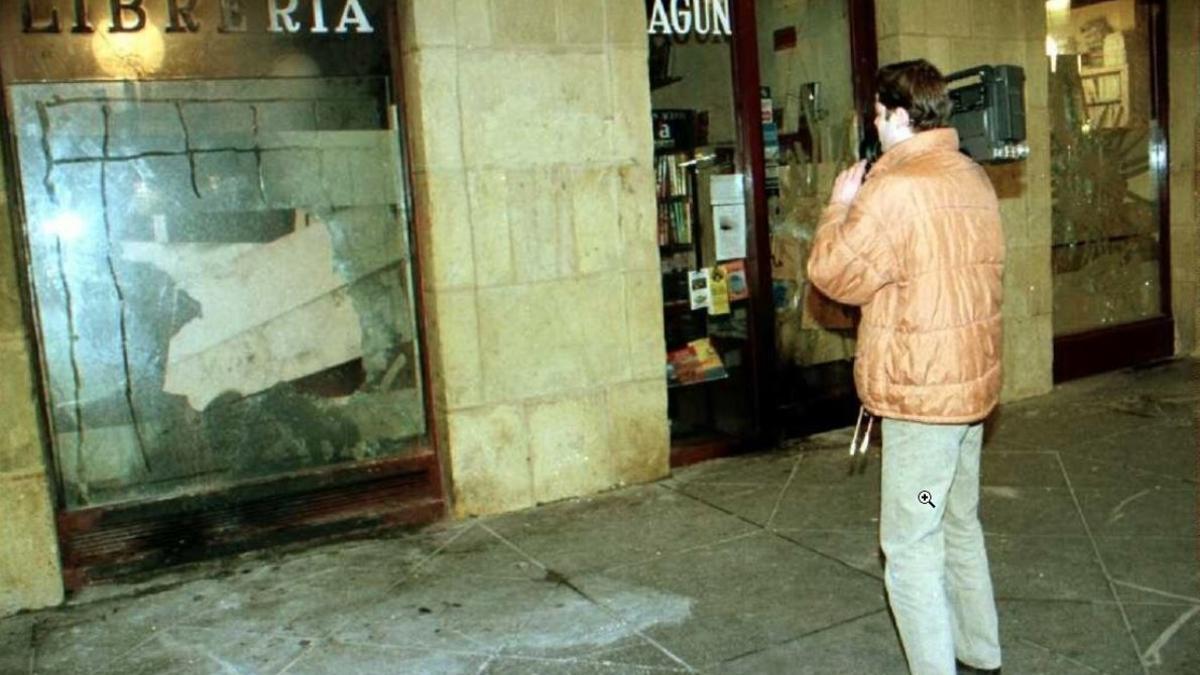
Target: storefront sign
[(131, 16), (682, 17)]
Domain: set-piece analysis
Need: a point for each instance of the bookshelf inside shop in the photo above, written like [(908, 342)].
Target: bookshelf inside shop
[(705, 292)]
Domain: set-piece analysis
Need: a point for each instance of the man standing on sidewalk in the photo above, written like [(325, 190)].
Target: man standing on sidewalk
[(919, 246)]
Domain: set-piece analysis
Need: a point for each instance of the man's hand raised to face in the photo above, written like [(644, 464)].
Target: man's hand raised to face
[(845, 188)]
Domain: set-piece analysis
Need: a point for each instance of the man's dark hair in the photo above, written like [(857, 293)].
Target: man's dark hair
[(918, 87)]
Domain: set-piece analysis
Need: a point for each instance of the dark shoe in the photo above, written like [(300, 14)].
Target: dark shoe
[(964, 669)]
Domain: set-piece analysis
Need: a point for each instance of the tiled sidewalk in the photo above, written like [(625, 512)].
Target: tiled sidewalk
[(761, 564)]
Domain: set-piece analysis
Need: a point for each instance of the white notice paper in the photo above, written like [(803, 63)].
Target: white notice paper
[(726, 189), (729, 221)]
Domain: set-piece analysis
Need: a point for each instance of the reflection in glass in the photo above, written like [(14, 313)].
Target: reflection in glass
[(137, 55), (804, 51), (1105, 212), (223, 281)]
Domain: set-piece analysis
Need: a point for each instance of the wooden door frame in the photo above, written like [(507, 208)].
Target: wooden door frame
[(750, 162)]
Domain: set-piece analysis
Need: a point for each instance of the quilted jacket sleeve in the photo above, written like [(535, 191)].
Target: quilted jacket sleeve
[(852, 257)]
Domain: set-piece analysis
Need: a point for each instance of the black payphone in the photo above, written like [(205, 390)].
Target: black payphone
[(990, 114)]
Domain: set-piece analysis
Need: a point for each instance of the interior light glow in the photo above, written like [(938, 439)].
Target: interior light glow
[(129, 55), (67, 225), (1052, 52)]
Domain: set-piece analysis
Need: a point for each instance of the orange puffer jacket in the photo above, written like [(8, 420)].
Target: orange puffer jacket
[(921, 249)]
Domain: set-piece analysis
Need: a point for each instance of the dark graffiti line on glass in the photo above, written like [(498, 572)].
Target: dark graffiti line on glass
[(223, 280)]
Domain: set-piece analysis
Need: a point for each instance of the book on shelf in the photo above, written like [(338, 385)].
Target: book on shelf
[(674, 223), (675, 208), (672, 176)]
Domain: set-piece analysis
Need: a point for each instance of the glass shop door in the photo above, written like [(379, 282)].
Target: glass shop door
[(215, 226), (709, 234), (1109, 185), (818, 61)]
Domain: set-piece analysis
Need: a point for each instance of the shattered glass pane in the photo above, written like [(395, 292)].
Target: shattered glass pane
[(1106, 167), (223, 279)]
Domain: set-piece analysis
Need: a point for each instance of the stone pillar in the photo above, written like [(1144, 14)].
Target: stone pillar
[(30, 576), (1183, 65), (957, 34), (529, 128)]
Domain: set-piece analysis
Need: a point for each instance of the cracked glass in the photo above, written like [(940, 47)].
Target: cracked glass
[(221, 270), (1108, 161)]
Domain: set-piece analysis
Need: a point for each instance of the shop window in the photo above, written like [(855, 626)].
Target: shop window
[(218, 246)]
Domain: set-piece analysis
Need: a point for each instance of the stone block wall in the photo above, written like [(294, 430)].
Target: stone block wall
[(529, 125), (1183, 66), (956, 34), (29, 567)]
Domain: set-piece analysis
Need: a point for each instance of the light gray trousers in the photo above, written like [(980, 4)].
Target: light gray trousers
[(937, 578)]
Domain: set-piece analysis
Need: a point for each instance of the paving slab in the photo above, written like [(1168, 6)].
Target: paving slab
[(1027, 468), (200, 650), (753, 592), (479, 552), (1153, 569), (631, 526), (16, 644), (93, 637), (1092, 635), (1056, 425), (771, 468), (301, 606), (547, 619), (836, 467), (1046, 568), (1168, 636), (751, 503), (519, 666), (1159, 452), (366, 659), (1026, 656), (1029, 510), (853, 505), (1140, 509), (865, 644), (858, 549)]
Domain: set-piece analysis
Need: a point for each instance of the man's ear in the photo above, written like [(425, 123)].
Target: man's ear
[(901, 115)]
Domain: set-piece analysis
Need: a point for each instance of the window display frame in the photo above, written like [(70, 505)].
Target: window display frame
[(110, 540)]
